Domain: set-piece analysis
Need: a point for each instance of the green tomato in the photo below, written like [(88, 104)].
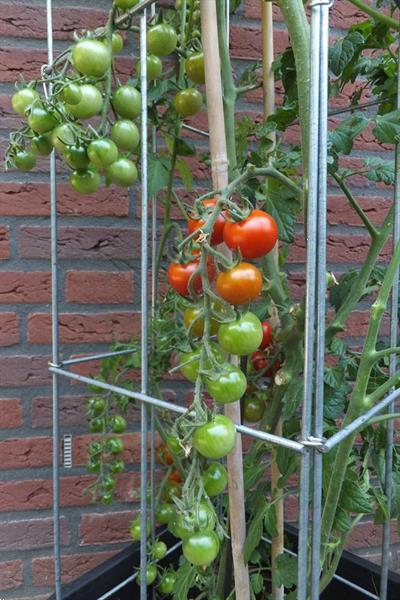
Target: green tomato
[(25, 160), (215, 479), (85, 182), (125, 4), (201, 548), (62, 137), (41, 145), (135, 528), (228, 386), (114, 445), (201, 518), (23, 99), (118, 424), (174, 445), (116, 466), (159, 550), (97, 425), (122, 172), (108, 483), (41, 120), (188, 102), (125, 134), (167, 583), (126, 101), (253, 409), (216, 438), (242, 336), (102, 152), (117, 42), (96, 405), (106, 498), (161, 39), (191, 370), (89, 105), (72, 93), (154, 67), (91, 57), (76, 157), (93, 465), (151, 574), (195, 67), (95, 448), (165, 513)]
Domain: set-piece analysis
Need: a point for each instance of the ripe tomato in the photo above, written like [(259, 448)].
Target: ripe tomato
[(228, 386), (161, 39), (41, 120), (201, 548), (102, 152), (175, 476), (179, 275), (118, 423), (216, 438), (125, 4), (72, 93), (151, 574), (167, 583), (125, 134), (41, 144), (254, 236), (85, 182), (114, 445), (253, 409), (201, 517), (76, 157), (242, 336), (192, 315), (164, 456), (25, 160), (126, 101), (91, 57), (217, 234), (188, 102), (195, 67), (267, 335), (215, 479), (63, 137), (159, 550), (165, 513), (259, 360), (154, 67), (116, 466), (23, 99), (191, 370), (89, 105), (122, 172), (239, 285)]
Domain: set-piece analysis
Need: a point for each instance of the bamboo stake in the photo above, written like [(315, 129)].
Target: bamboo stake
[(267, 25), (219, 170)]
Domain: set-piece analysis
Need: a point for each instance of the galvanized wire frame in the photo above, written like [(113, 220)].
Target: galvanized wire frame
[(312, 445)]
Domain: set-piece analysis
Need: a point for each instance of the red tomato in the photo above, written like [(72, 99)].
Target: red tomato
[(217, 235), (254, 237), (241, 284), (259, 360), (175, 476), (267, 335), (179, 276), (164, 456)]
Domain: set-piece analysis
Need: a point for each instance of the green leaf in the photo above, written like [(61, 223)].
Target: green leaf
[(270, 521), (338, 347), (184, 148), (344, 50), (185, 173), (185, 579), (341, 139), (158, 169), (338, 293), (287, 463), (256, 582), (354, 498), (387, 129), (342, 521), (280, 203), (254, 531), (292, 399), (380, 170), (335, 402), (286, 570), (252, 475)]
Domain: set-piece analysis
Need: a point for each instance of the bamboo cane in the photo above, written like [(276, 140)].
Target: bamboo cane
[(267, 25), (219, 170)]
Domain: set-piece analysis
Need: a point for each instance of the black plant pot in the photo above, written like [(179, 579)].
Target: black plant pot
[(116, 570)]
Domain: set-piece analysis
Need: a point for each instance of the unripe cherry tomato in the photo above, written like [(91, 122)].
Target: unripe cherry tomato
[(106, 498), (159, 550), (41, 144), (63, 137), (151, 574), (195, 67), (122, 172), (23, 99), (25, 160), (97, 425), (126, 101), (161, 39), (217, 234), (154, 67), (91, 57), (102, 152), (118, 424), (188, 102), (171, 489), (167, 583), (228, 386), (41, 120), (96, 405), (116, 466), (165, 513), (135, 528), (242, 336), (72, 93), (215, 479), (125, 134), (114, 445), (191, 315), (216, 438), (76, 157), (201, 548), (240, 284), (85, 182), (90, 103), (255, 236), (253, 409), (191, 369), (108, 483)]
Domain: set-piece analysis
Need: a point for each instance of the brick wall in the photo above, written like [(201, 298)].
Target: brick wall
[(99, 293)]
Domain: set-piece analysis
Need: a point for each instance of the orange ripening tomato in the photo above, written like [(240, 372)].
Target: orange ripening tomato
[(217, 235), (239, 285), (179, 276), (164, 455), (255, 236), (175, 476)]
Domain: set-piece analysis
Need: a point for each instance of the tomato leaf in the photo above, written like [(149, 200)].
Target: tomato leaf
[(280, 203), (255, 531), (338, 293), (342, 521), (184, 148), (270, 521), (158, 170), (185, 579), (286, 570), (342, 137), (387, 128), (344, 50), (354, 498), (185, 173), (287, 464), (292, 399), (380, 170), (256, 582)]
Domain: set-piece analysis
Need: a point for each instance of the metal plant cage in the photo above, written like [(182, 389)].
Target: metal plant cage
[(312, 445)]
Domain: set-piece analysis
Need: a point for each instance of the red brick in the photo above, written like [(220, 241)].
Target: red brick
[(99, 287), (81, 327), (33, 199), (4, 242), (9, 329), (367, 534), (10, 413), (26, 534), (73, 566), (100, 528), (21, 371), (22, 287), (78, 242), (72, 411), (131, 452), (245, 42), (11, 574), (20, 453), (341, 249), (341, 213)]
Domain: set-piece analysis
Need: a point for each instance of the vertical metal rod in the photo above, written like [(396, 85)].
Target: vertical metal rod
[(55, 338), (320, 294), (394, 308), (144, 307), (310, 303)]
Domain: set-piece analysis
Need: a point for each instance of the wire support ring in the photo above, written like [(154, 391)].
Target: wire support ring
[(314, 3)]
